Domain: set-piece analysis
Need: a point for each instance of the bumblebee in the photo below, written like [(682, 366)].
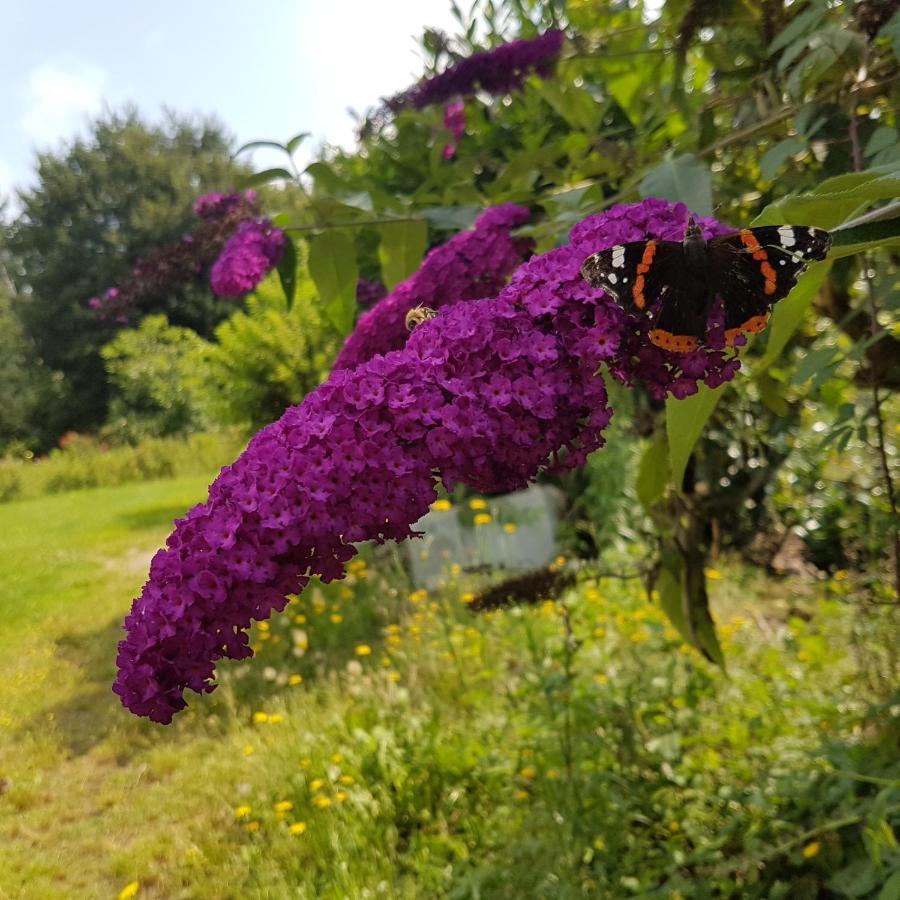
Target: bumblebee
[(417, 315)]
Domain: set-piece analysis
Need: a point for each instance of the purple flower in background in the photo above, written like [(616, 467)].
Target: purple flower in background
[(217, 205), (455, 123), (496, 72), (368, 293), (174, 265), (472, 264), (251, 252)]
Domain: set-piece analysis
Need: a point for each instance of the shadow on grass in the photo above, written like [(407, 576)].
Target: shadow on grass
[(92, 714), (153, 516)]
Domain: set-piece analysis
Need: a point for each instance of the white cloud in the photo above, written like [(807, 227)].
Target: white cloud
[(59, 100)]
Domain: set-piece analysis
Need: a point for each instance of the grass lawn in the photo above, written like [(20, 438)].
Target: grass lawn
[(389, 743)]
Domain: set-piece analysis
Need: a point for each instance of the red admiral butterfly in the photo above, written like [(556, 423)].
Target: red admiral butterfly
[(677, 282)]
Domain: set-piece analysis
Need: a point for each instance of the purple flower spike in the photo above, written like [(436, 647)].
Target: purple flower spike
[(455, 123), (486, 393), (250, 254), (471, 265), (497, 71)]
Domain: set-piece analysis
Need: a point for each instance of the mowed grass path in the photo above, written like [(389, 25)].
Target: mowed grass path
[(90, 795)]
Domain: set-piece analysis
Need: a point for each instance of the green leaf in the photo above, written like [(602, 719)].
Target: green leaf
[(574, 104), (287, 272), (681, 178), (892, 31), (891, 888), (401, 249), (451, 218), (257, 145), (296, 141), (798, 26), (847, 241), (773, 159), (685, 421), (653, 472), (788, 314), (333, 267), (687, 609), (882, 138), (266, 176)]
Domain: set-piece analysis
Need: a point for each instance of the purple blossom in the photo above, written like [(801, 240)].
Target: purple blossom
[(497, 71), (216, 205), (470, 265), (368, 293), (251, 252), (455, 123)]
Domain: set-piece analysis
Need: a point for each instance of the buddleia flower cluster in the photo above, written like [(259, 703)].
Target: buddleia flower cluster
[(251, 253), (496, 72), (488, 392)]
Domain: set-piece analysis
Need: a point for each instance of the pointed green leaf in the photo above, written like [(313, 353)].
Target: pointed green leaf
[(653, 472), (688, 608), (296, 141), (287, 272), (685, 421), (775, 157), (848, 241), (333, 267), (265, 177), (257, 145), (681, 178), (401, 249)]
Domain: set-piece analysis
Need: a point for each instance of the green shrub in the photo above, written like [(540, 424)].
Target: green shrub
[(149, 370), (266, 357), (84, 462)]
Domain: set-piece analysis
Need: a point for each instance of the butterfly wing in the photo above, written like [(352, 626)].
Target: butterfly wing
[(651, 276), (756, 267)]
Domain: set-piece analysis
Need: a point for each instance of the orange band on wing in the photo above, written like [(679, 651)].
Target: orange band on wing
[(752, 244), (637, 292), (753, 326), (677, 343)]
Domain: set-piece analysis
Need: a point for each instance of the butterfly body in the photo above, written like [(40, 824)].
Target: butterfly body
[(676, 283)]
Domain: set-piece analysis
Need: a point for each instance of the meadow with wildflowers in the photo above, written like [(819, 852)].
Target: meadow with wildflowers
[(388, 741)]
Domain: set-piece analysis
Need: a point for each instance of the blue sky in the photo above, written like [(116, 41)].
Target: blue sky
[(268, 69)]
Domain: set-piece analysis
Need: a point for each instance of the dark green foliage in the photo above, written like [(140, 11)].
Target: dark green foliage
[(29, 391), (98, 205)]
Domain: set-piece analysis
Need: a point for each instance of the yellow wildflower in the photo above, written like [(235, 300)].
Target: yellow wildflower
[(248, 750), (468, 597), (510, 528), (129, 891), (712, 574), (259, 718), (521, 795), (528, 772), (483, 519), (276, 718), (477, 503), (336, 618), (393, 676), (297, 828), (300, 620), (340, 796), (295, 679), (600, 678), (315, 784), (552, 774), (241, 812), (284, 806), (599, 844), (337, 758), (363, 649), (811, 850), (321, 801), (252, 826), (346, 780), (442, 505)]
